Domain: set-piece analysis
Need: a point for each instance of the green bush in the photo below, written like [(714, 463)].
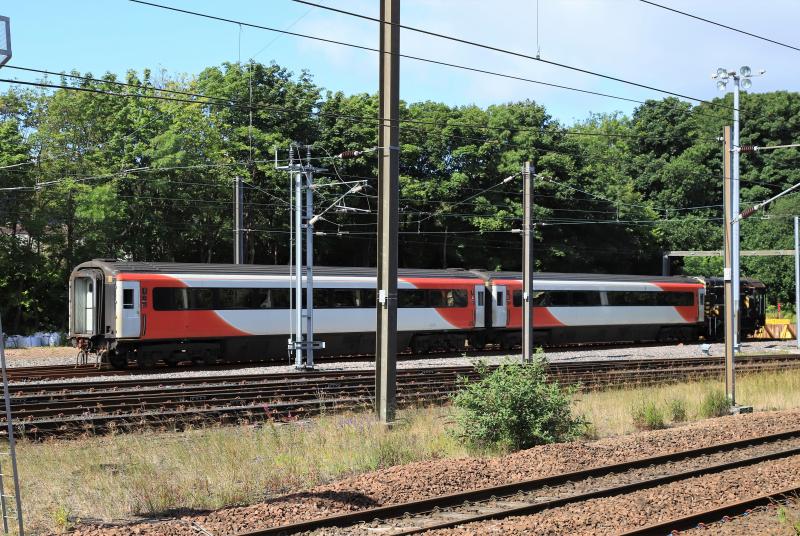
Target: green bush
[(677, 409), (715, 404), (514, 407), (647, 416)]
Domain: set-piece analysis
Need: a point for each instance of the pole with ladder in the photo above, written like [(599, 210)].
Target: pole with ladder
[(8, 456), (730, 314), (527, 263), (238, 232)]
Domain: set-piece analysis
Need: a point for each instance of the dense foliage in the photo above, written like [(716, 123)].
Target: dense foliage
[(85, 175), (515, 407)]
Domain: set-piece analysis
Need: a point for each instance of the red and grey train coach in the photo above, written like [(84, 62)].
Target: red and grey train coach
[(571, 308), (171, 312)]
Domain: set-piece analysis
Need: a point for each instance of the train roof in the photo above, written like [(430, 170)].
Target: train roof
[(606, 278), (748, 281), (113, 267)]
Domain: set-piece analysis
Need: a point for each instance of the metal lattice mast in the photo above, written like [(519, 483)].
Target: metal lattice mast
[(11, 453), (301, 344)]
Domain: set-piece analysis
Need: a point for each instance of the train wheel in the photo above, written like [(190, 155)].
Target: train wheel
[(477, 344), (117, 361)]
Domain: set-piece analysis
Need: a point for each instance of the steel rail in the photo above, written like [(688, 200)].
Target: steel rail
[(207, 391), (62, 410), (714, 514), (556, 367), (39, 373), (497, 493), (106, 398)]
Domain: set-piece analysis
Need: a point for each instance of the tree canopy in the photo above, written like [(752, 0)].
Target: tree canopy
[(148, 175)]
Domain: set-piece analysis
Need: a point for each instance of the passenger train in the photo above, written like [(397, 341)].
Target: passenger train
[(147, 312)]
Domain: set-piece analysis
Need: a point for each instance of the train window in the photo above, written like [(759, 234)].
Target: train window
[(456, 298), (181, 299), (500, 298), (584, 298), (274, 298), (344, 298), (676, 299), (365, 298), (201, 298), (516, 298), (559, 298), (541, 298), (329, 298), (127, 298), (412, 298), (437, 298), (323, 298), (654, 298), (169, 299), (620, 298), (239, 298)]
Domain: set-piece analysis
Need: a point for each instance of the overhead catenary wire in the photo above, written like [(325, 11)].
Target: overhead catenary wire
[(200, 99), (437, 62), (715, 23), (497, 49)]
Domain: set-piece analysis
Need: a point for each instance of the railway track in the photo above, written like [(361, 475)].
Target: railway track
[(722, 513), (55, 372), (70, 408), (541, 494)]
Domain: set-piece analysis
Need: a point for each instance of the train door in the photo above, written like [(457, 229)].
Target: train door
[(84, 305), (499, 311), (480, 306), (701, 304), (129, 313)]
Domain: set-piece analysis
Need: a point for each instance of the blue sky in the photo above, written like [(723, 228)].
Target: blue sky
[(624, 38)]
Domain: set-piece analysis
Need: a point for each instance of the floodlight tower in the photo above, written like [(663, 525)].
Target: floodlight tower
[(740, 79)]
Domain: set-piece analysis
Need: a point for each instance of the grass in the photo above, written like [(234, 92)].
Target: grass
[(147, 474), (610, 413), (150, 474), (648, 415)]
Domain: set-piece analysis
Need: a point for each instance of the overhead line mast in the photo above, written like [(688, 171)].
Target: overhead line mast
[(388, 208)]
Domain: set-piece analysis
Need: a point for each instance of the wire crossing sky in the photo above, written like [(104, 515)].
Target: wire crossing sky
[(627, 38)]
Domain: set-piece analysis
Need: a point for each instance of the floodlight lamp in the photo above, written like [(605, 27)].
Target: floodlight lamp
[(5, 40), (746, 83), (721, 85), (722, 73), (745, 71)]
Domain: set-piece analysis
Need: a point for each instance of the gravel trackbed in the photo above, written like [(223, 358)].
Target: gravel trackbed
[(600, 516)]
